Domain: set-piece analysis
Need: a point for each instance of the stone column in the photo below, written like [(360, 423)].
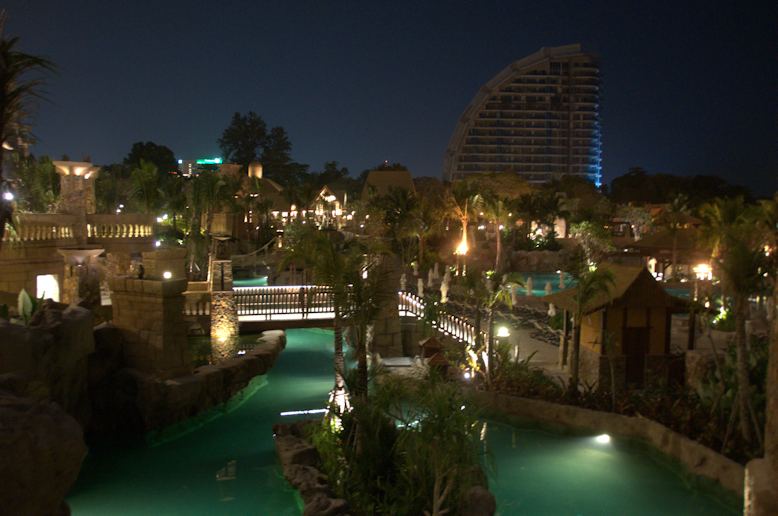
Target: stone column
[(81, 277), (387, 331), (77, 193), (761, 489), (150, 314), (224, 311)]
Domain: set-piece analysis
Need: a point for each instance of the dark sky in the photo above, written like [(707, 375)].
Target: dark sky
[(689, 87)]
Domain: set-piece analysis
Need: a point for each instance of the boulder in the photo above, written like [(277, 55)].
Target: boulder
[(323, 505), (295, 450), (478, 501), (42, 448)]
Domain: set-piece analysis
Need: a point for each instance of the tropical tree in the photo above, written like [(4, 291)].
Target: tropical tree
[(487, 294), (19, 85), (429, 216), (162, 157), (243, 139), (673, 219), (145, 183), (399, 213), (498, 211), (497, 294), (591, 284), (38, 184), (331, 260), (732, 230), (367, 298), (463, 200), (594, 240)]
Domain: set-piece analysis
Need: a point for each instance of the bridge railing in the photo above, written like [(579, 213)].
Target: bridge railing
[(460, 329), (279, 303)]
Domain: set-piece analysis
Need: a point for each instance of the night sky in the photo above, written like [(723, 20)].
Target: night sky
[(689, 89)]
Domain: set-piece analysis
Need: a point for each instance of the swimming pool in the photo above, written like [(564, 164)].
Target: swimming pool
[(260, 281), (228, 466)]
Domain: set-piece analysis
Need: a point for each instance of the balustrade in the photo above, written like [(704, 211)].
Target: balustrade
[(119, 226), (34, 227)]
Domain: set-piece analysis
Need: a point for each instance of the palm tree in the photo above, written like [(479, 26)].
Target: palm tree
[(732, 230), (429, 216), (399, 209), (591, 284), (367, 298), (331, 261), (497, 211), (673, 219), (496, 295), (17, 89), (462, 200)]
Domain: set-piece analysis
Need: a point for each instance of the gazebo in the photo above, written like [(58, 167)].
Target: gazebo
[(635, 317)]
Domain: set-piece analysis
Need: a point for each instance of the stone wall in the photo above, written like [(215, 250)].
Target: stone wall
[(48, 360), (696, 458), (140, 402), (150, 315)]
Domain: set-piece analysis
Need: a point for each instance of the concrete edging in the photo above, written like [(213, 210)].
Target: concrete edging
[(698, 459)]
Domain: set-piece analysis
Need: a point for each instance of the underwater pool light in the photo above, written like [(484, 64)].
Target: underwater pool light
[(603, 439)]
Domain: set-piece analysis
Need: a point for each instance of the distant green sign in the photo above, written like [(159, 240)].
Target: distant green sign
[(209, 161)]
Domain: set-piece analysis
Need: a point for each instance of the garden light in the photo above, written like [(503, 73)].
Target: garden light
[(703, 271), (167, 275), (8, 196), (603, 439), (503, 332)]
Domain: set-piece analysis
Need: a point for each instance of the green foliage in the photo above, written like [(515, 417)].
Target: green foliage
[(38, 184), (145, 184), (27, 306), (640, 187), (19, 86), (413, 447), (242, 141), (593, 239), (162, 157)]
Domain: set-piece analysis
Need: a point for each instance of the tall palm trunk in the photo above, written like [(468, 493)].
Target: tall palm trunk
[(421, 249), (675, 253), (744, 387), (574, 357), (498, 257), (490, 346), (340, 363), (361, 340)]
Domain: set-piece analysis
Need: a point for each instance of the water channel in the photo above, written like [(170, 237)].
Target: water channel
[(228, 465)]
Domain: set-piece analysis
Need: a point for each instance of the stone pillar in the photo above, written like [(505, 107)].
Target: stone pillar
[(77, 193), (150, 314), (224, 311), (81, 277), (387, 331), (157, 264), (761, 489)]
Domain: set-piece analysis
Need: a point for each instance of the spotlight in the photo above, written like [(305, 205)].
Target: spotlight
[(603, 439)]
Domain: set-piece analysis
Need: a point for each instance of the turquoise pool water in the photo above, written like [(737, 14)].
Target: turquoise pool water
[(532, 471), (261, 281), (539, 280)]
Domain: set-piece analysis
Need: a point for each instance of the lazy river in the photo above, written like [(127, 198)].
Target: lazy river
[(228, 465)]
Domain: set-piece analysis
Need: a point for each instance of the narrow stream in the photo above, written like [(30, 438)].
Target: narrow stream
[(228, 466)]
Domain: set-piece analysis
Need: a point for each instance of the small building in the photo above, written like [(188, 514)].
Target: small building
[(634, 318)]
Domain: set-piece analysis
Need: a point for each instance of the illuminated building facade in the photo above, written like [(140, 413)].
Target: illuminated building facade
[(539, 118)]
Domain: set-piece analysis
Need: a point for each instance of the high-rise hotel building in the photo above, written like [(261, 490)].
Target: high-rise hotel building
[(539, 118)]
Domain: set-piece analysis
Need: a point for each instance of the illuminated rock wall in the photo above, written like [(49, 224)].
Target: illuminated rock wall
[(150, 315)]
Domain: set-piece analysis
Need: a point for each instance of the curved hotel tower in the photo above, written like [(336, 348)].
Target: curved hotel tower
[(539, 118)]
